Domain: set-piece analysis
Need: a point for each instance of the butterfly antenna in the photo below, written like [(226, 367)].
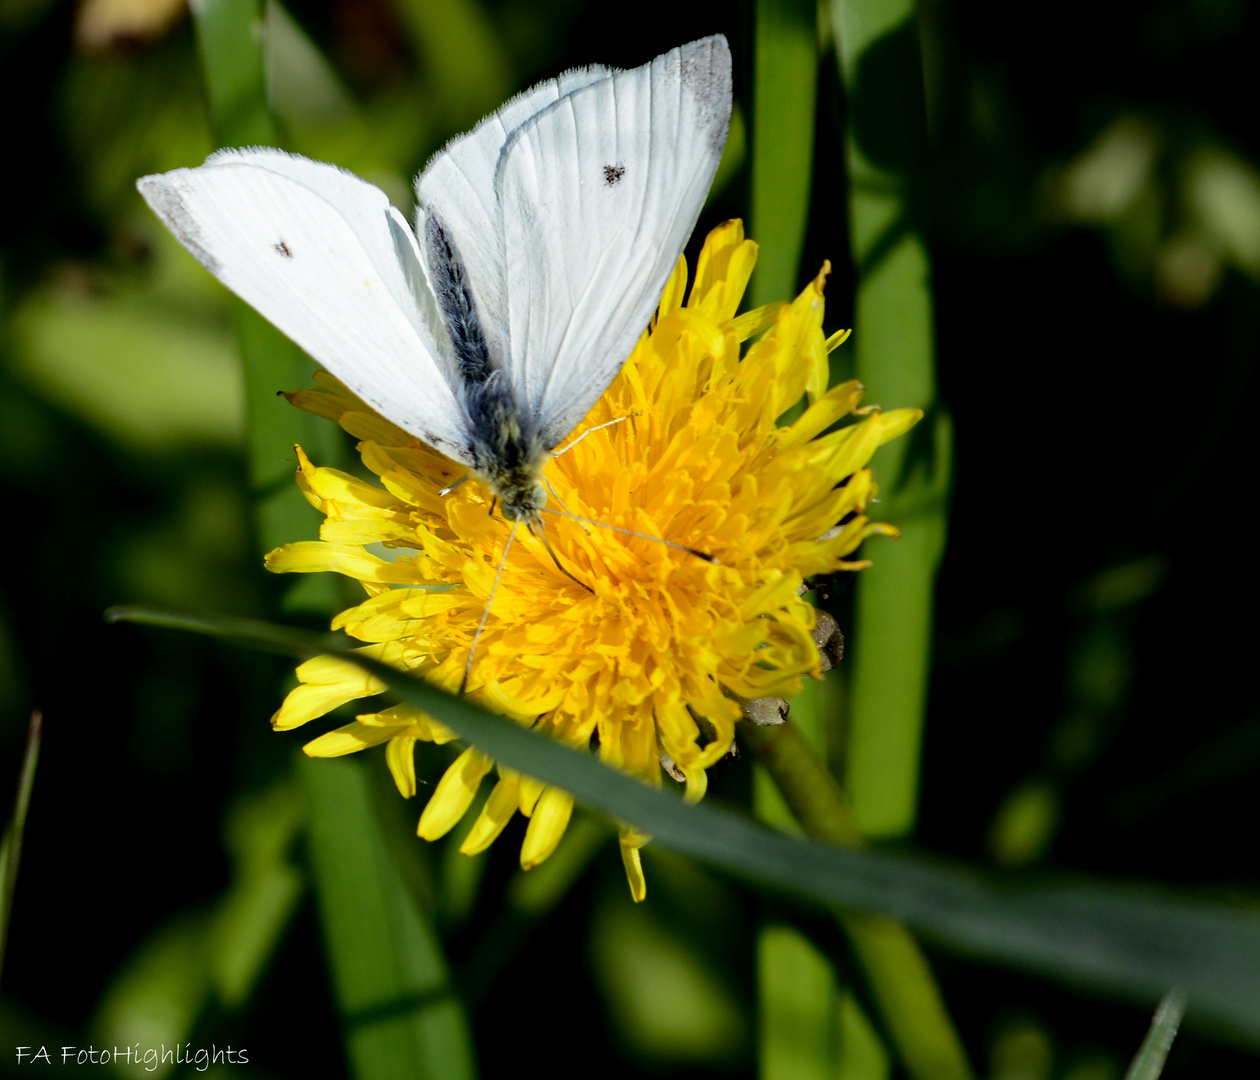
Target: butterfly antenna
[(485, 614), (642, 536), (590, 431), (542, 535)]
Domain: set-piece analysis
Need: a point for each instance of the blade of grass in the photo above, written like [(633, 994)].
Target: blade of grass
[(400, 1014), (1151, 1055), (798, 991), (893, 338), (797, 1002), (1125, 939), (898, 974), (11, 846), (231, 43), (785, 86)]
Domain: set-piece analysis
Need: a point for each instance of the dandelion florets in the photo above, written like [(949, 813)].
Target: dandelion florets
[(647, 654)]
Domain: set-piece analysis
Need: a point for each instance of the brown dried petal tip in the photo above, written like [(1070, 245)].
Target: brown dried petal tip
[(764, 712), (829, 639)]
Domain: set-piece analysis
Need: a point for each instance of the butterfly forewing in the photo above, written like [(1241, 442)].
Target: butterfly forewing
[(324, 257), (599, 193)]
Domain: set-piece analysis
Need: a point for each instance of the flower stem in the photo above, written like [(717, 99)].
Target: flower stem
[(897, 972)]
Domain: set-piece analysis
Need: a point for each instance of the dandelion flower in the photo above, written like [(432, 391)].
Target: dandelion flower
[(648, 653)]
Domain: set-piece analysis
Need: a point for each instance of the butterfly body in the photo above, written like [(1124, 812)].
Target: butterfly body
[(508, 456), (542, 241)]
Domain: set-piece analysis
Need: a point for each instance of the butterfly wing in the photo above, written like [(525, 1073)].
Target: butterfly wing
[(325, 257), (458, 183), (599, 193)]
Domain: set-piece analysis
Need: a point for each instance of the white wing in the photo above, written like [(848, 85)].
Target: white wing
[(326, 258), (599, 193), (458, 183)]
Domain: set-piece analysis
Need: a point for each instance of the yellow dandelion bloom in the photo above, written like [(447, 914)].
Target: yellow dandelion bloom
[(647, 652)]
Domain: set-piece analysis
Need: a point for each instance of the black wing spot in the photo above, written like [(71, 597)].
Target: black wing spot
[(613, 173), (282, 249)]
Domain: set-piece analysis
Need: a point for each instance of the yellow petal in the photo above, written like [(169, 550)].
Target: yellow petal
[(546, 826), (346, 740), (494, 816), (400, 756), (454, 793), (634, 867)]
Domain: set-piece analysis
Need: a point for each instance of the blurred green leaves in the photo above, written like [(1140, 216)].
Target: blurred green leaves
[(141, 374), (664, 1000), (211, 958), (1178, 209)]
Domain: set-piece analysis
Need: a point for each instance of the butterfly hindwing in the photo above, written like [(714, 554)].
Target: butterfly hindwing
[(458, 183)]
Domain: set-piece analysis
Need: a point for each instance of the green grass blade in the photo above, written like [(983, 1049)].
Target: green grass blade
[(11, 846), (1125, 939), (230, 38), (1149, 1062), (798, 1007), (785, 86), (798, 993), (229, 33), (896, 971), (399, 1011), (272, 363), (893, 342)]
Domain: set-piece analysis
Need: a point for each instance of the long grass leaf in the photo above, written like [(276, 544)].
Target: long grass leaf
[(1126, 939), (11, 846), (896, 971), (231, 43), (893, 343), (785, 85), (400, 1015), (798, 991), (1151, 1055)]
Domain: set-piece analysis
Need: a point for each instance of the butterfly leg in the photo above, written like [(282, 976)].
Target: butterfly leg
[(541, 533)]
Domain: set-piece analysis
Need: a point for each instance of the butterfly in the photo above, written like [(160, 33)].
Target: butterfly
[(543, 239)]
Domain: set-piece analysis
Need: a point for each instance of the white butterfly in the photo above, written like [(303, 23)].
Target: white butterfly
[(543, 240)]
